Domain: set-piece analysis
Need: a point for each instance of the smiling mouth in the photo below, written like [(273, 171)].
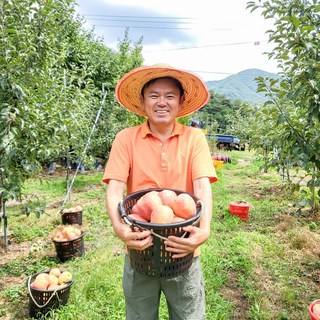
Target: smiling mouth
[(162, 111)]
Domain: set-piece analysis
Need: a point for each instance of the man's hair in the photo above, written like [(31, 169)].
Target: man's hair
[(174, 80)]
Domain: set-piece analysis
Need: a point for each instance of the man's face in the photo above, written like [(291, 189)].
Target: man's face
[(162, 101)]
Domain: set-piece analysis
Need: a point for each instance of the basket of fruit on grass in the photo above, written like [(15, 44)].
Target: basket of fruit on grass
[(48, 290), (69, 242), (72, 215), (165, 212)]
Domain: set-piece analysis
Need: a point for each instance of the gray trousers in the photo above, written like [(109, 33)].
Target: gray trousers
[(184, 294)]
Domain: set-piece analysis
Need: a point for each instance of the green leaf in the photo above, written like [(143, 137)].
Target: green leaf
[(295, 20)]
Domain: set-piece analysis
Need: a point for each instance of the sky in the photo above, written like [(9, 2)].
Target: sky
[(212, 38)]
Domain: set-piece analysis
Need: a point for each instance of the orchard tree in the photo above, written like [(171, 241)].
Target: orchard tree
[(51, 83), (32, 91), (216, 113), (114, 117), (293, 105)]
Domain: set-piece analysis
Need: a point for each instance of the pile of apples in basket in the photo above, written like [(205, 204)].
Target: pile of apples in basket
[(162, 207), (55, 279)]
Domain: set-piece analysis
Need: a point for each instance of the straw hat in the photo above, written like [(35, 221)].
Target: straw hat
[(128, 89)]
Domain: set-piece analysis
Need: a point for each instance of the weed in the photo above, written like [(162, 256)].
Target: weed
[(264, 268)]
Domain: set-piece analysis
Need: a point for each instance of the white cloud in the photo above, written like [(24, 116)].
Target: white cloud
[(220, 35)]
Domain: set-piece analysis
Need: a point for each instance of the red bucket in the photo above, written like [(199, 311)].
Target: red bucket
[(240, 209), (314, 310)]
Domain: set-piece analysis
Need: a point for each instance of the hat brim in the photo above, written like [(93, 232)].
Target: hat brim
[(128, 89)]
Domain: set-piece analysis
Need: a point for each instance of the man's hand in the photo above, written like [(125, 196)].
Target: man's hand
[(138, 240), (180, 247)]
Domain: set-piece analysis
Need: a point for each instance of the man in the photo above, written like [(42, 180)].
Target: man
[(161, 153)]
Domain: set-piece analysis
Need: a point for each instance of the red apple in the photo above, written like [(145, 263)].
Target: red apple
[(40, 284), (64, 277), (177, 219), (167, 197), (162, 214), (136, 216), (147, 203), (53, 287), (184, 206), (55, 271)]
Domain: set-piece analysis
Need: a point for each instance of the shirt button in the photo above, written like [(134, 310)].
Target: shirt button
[(160, 144), (163, 153), (163, 164)]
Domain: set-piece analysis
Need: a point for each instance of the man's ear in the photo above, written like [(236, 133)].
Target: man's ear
[(182, 98), (142, 102)]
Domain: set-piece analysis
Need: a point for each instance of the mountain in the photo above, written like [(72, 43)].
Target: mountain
[(241, 86)]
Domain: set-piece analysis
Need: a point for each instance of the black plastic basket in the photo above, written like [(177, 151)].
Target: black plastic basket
[(42, 301), (69, 249), (155, 261), (71, 217)]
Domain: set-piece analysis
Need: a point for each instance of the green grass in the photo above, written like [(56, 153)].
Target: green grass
[(264, 268)]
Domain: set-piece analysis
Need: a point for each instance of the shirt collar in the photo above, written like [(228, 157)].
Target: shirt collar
[(177, 130)]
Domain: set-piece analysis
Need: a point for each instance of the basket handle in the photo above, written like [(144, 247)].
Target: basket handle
[(136, 227), (35, 302), (121, 210)]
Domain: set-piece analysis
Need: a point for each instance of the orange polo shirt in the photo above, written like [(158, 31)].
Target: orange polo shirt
[(139, 159)]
